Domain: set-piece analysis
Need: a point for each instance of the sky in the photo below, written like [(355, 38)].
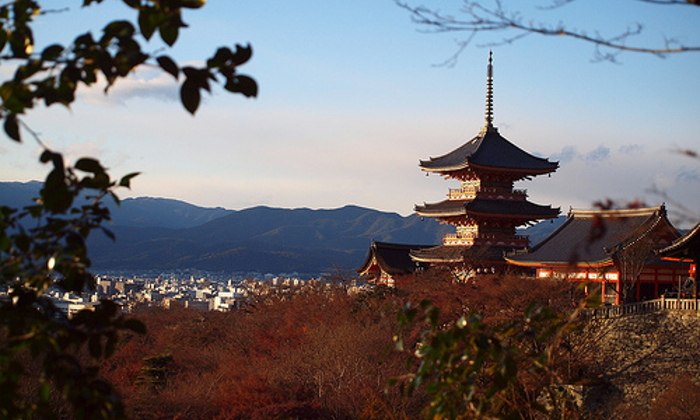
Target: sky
[(352, 96)]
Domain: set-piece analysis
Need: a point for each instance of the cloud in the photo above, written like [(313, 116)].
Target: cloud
[(664, 181), (631, 149), (141, 84), (685, 174), (600, 154), (567, 154)]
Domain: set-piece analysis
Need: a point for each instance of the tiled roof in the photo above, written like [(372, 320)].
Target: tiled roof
[(489, 149), (589, 237), (450, 254), (391, 258), (478, 206), (687, 246)]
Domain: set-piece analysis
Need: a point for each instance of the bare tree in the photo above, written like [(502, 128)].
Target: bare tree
[(631, 258), (492, 16)]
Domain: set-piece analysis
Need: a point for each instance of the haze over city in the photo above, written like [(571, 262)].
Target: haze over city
[(352, 96)]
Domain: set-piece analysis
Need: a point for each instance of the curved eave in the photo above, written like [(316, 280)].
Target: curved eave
[(521, 172), (437, 260), (367, 266), (678, 259), (442, 209), (558, 264), (520, 210), (444, 214), (553, 214), (681, 247)]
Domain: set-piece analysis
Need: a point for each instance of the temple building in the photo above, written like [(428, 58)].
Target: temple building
[(390, 264), (686, 249), (486, 209), (614, 248), (617, 250)]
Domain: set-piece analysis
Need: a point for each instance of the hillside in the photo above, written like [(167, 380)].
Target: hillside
[(161, 234), (263, 239)]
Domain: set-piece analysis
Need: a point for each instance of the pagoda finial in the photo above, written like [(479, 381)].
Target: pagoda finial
[(489, 93)]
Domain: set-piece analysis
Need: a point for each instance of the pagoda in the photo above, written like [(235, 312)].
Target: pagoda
[(486, 209)]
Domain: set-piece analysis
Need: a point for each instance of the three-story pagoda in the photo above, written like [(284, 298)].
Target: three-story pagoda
[(486, 209)]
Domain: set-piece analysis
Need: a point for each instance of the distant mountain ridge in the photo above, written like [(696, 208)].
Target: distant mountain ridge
[(165, 234), (264, 239), (139, 212)]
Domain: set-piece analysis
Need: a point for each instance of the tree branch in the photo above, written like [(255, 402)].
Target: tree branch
[(492, 19)]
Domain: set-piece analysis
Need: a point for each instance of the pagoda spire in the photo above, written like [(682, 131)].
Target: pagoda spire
[(489, 93)]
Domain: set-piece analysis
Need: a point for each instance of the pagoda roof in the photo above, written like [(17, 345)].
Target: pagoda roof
[(391, 258), (687, 247), (488, 207), (591, 237), (489, 150), (454, 254)]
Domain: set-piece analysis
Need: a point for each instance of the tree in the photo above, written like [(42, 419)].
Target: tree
[(631, 258), (493, 16), (481, 365), (43, 246)]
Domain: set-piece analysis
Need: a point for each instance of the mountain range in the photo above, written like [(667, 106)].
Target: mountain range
[(167, 234)]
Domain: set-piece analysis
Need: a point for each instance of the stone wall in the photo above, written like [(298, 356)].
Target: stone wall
[(632, 359)]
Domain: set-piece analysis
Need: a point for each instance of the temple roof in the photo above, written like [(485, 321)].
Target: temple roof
[(489, 150), (590, 237), (485, 207), (391, 258), (687, 247), (451, 254)]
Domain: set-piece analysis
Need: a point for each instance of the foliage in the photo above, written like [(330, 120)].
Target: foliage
[(155, 373), (470, 369), (324, 352), (43, 246), (53, 75), (313, 352)]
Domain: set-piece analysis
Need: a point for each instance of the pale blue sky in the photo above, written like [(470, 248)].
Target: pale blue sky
[(350, 100)]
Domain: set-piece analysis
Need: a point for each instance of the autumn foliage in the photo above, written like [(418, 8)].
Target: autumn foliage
[(309, 353)]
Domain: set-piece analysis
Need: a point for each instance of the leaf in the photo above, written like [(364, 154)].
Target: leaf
[(126, 179), (116, 199), (12, 127), (21, 41), (3, 39), (192, 4), (190, 96), (219, 59), (56, 196), (109, 233), (48, 155), (168, 65), (119, 29), (148, 22), (242, 54), (52, 52), (89, 165), (242, 84), (169, 33)]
